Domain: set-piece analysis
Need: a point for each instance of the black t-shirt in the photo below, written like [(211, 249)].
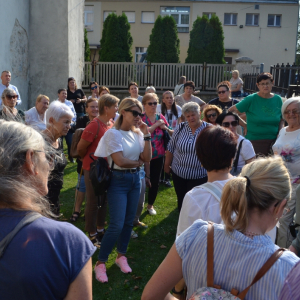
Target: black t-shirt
[(79, 107), (223, 105), (81, 123)]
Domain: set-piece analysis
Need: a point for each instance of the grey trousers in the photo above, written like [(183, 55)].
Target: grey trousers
[(141, 202), (284, 237)]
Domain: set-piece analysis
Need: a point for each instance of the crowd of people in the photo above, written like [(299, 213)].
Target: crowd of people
[(233, 163)]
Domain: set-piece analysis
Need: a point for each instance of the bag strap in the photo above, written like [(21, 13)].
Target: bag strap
[(236, 161), (213, 189), (210, 255), (29, 218), (263, 270), (97, 128)]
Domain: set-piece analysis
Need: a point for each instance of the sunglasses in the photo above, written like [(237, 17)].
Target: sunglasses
[(152, 103), (222, 92), (212, 115), (135, 113), (233, 124), (12, 97), (95, 87)]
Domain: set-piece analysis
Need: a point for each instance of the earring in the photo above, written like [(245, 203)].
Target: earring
[(36, 173)]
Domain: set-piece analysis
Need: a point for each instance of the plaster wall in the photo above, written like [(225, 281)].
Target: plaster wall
[(75, 41), (14, 36)]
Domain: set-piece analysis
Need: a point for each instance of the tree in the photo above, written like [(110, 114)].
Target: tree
[(87, 52), (116, 40), (206, 41), (164, 41), (104, 35)]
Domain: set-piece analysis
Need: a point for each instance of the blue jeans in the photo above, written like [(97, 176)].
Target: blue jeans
[(81, 184), (123, 197)]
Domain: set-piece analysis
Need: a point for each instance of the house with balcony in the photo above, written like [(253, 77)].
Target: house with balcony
[(263, 30)]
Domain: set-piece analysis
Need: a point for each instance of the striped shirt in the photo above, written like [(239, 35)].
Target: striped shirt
[(291, 287), (237, 259), (185, 162)]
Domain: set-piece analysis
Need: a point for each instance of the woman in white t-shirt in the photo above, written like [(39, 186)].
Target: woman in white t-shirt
[(126, 148), (236, 84), (231, 121), (287, 146)]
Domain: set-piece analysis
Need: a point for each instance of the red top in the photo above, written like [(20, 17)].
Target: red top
[(89, 134)]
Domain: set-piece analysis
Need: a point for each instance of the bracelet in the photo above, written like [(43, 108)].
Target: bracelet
[(147, 139), (147, 135), (147, 176)]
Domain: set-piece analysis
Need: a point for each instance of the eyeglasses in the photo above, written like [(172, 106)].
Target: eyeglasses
[(293, 112), (233, 124), (135, 113), (212, 115), (152, 103), (222, 92), (12, 97), (95, 87), (265, 84)]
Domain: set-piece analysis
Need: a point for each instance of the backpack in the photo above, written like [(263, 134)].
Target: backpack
[(75, 140), (214, 292)]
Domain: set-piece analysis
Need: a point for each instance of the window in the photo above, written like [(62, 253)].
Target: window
[(274, 20), (138, 53), (130, 16), (230, 19), (252, 19), (209, 15), (181, 16), (106, 13), (148, 17), (88, 19)]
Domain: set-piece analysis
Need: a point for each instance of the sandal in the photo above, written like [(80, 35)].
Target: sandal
[(75, 216), (178, 295)]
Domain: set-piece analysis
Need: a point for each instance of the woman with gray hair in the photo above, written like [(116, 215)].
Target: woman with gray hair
[(55, 257), (9, 112), (287, 146), (181, 156), (150, 89), (59, 117)]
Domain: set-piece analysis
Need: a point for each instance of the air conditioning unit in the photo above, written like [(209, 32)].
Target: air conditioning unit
[(256, 6)]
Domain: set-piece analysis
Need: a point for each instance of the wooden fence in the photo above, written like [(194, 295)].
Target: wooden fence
[(162, 76)]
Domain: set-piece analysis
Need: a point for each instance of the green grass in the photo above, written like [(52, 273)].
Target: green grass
[(144, 253)]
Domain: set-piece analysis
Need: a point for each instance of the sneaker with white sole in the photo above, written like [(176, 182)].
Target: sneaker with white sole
[(123, 265), (151, 211), (100, 272), (134, 235)]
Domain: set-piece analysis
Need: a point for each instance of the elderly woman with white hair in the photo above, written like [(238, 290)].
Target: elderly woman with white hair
[(287, 146), (45, 259), (36, 116), (181, 155), (150, 89), (59, 118)]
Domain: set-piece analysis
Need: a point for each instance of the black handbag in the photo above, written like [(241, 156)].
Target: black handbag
[(166, 138), (100, 175), (235, 170)]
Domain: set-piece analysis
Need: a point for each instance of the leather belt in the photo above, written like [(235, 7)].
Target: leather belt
[(132, 171)]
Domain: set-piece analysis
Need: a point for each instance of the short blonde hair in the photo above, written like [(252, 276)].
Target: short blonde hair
[(149, 96), (269, 183), (127, 103), (107, 100), (236, 72), (40, 97)]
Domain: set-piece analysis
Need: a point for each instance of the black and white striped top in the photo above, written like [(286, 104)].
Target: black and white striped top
[(185, 162)]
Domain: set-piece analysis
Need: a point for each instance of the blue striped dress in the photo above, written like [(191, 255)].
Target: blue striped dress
[(237, 259)]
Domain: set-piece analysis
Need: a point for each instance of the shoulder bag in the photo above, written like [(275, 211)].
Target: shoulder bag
[(235, 170)]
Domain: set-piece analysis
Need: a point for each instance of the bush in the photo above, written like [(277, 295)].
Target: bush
[(116, 39), (164, 41), (206, 41)]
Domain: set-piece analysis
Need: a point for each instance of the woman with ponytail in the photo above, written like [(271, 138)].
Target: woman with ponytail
[(251, 205)]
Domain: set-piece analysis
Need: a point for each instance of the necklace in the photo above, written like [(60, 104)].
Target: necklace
[(250, 233)]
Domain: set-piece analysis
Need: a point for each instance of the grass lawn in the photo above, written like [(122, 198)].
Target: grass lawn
[(144, 253)]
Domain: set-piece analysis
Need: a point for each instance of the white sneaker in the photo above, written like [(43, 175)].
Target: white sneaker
[(134, 235), (151, 211)]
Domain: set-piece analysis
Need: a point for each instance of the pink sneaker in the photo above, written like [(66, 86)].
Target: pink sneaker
[(123, 265), (100, 272)]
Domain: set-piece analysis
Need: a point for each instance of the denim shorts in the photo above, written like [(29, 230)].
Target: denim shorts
[(81, 184)]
